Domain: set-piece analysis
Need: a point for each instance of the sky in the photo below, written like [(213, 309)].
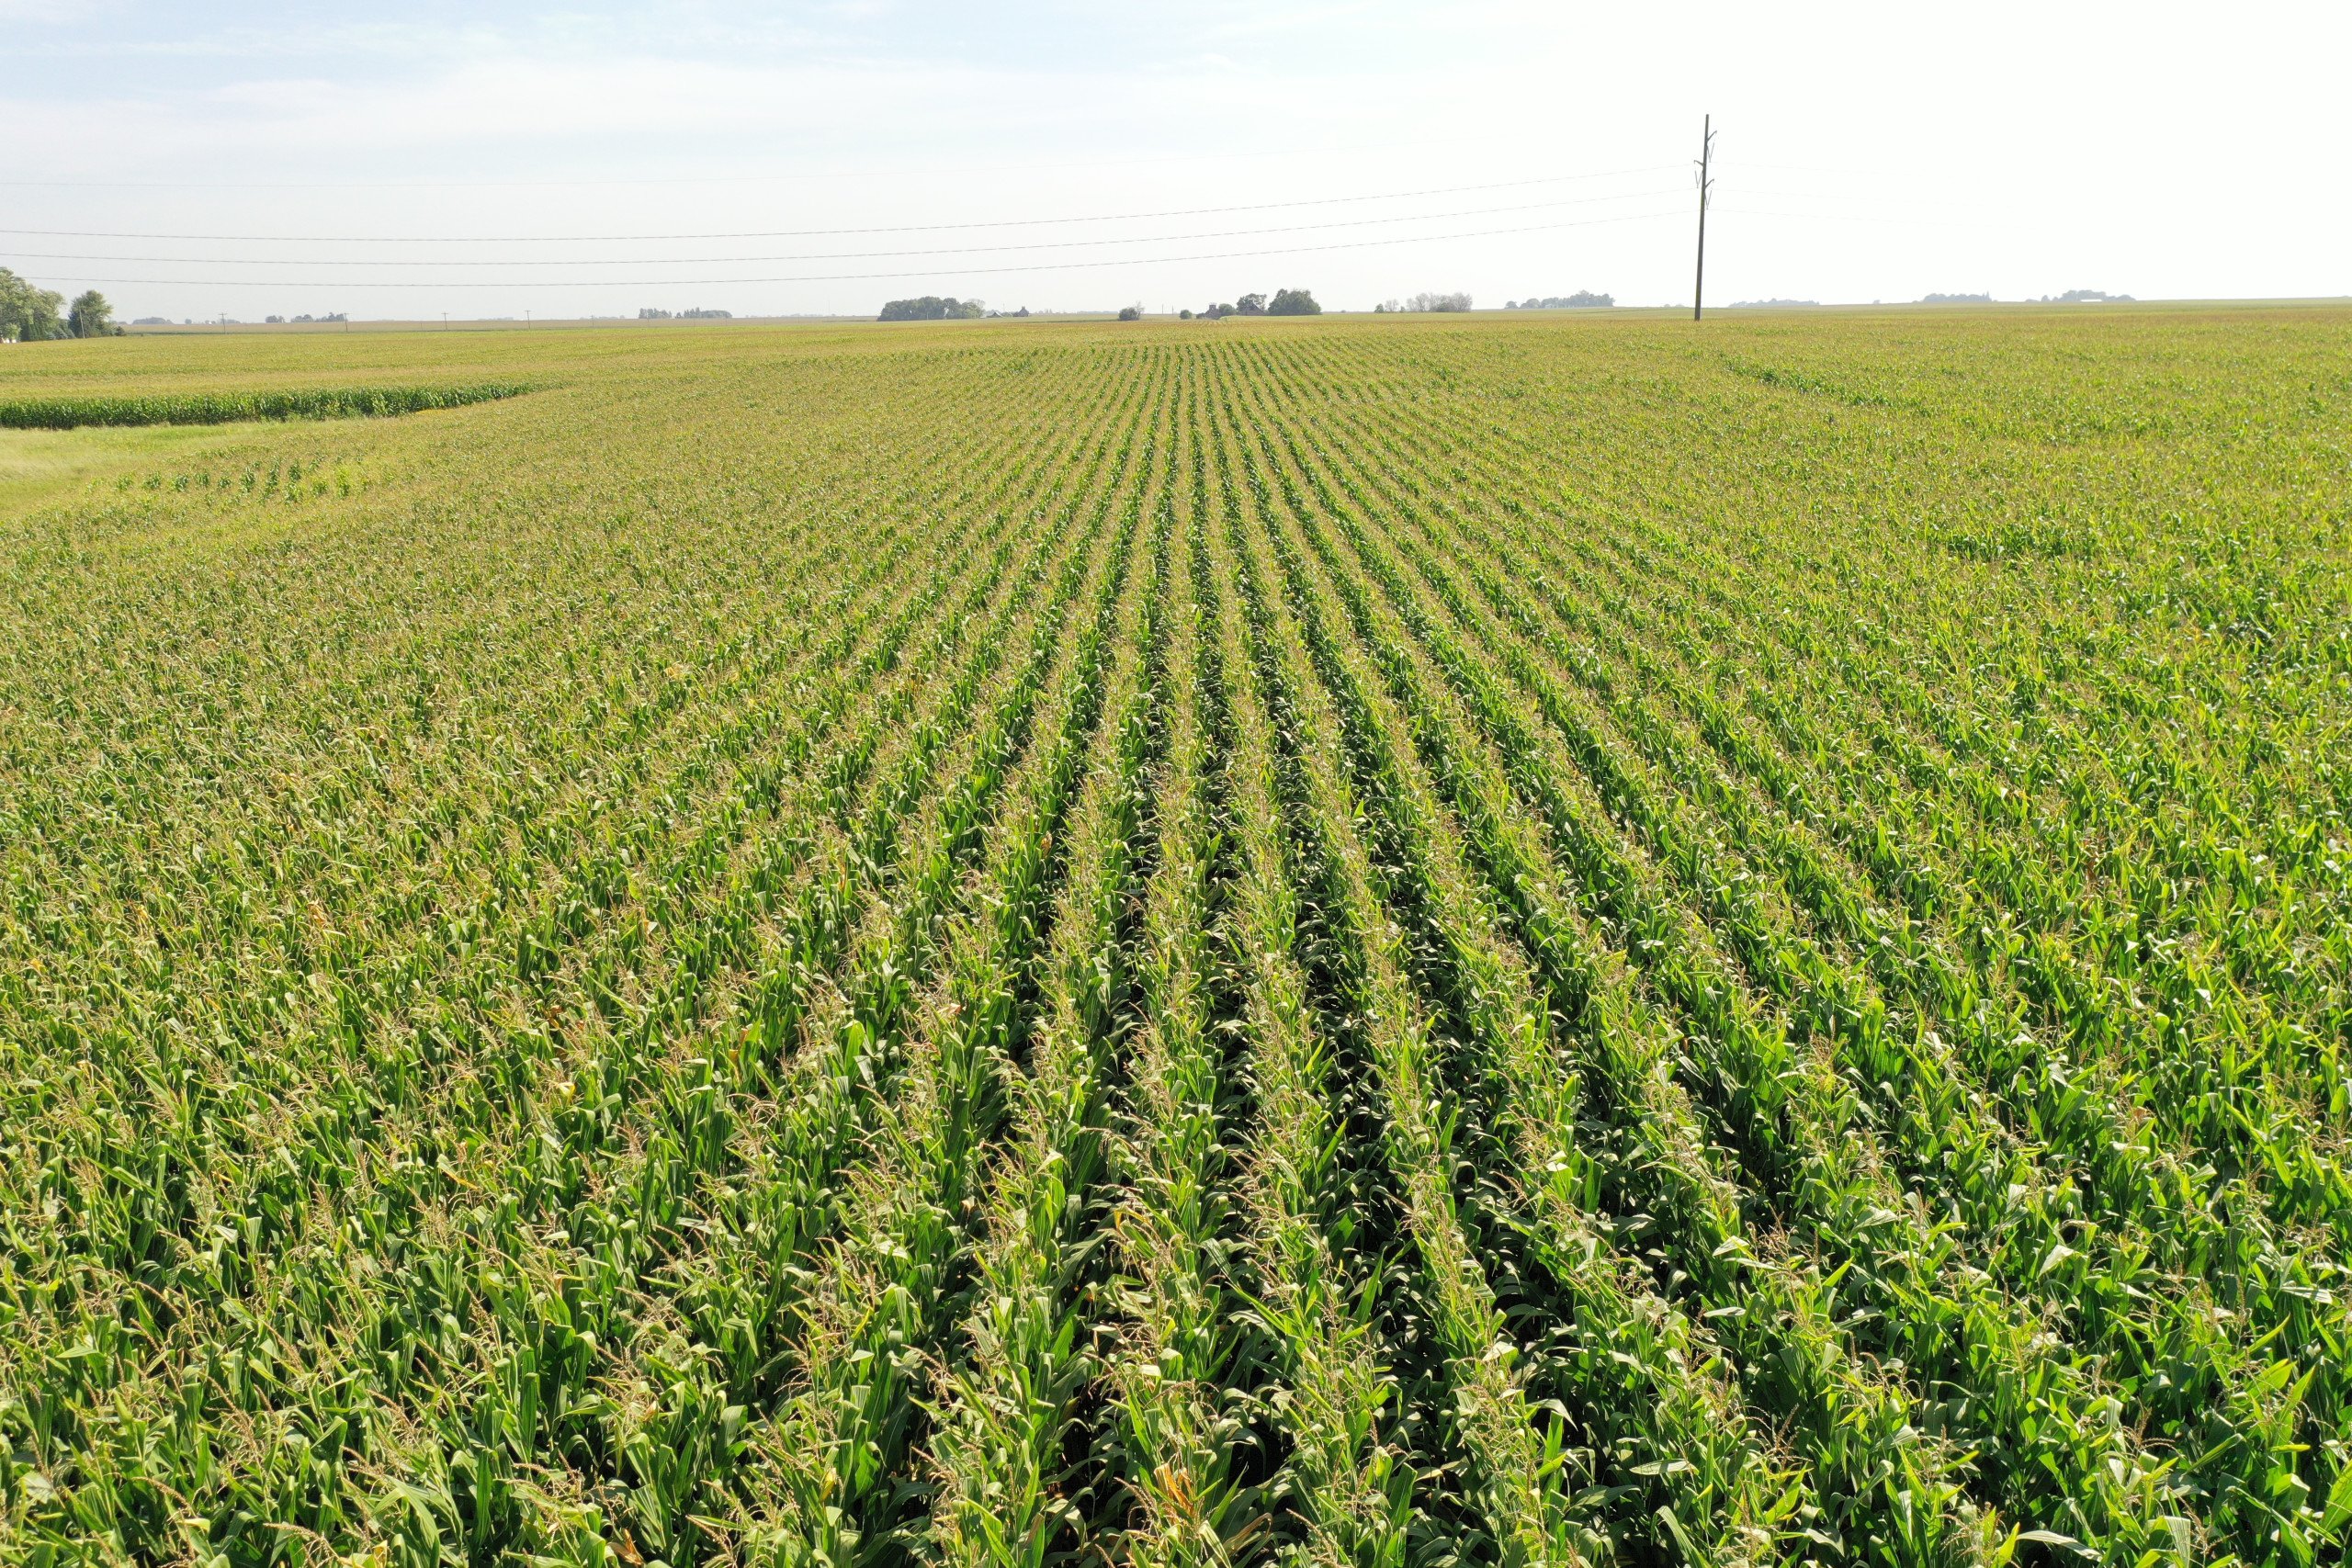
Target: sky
[(205, 158)]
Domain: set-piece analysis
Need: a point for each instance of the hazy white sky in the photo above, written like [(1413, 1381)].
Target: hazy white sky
[(1865, 151)]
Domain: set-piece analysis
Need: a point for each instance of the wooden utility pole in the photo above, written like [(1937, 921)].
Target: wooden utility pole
[(1706, 152)]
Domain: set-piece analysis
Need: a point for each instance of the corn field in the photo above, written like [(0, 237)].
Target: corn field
[(345, 402), (1323, 943)]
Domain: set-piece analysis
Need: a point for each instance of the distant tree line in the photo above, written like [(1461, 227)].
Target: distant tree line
[(30, 314), (1955, 300), (1769, 304), (933, 308), (1285, 302), (697, 315), (1424, 302), (1581, 300), (2085, 297)]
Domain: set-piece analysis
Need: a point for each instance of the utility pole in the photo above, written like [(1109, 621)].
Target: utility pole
[(1706, 152)]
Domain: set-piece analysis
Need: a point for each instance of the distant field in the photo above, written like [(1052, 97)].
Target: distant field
[(1386, 942)]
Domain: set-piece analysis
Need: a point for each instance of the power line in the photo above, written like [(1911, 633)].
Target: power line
[(867, 276), (856, 256), (1819, 169), (883, 172), (1845, 217), (815, 233)]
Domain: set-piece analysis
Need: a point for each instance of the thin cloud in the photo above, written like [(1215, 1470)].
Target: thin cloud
[(508, 104), (50, 13)]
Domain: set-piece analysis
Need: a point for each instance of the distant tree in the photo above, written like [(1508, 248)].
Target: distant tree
[(1293, 302), (91, 315), (933, 308), (1438, 303), (1185, 314), (650, 315), (1956, 299), (27, 312), (699, 314), (1131, 312), (1250, 305), (1580, 301), (267, 321)]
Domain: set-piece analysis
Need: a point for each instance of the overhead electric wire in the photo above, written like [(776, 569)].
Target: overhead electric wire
[(900, 171), (1844, 217), (867, 276), (1842, 170), (854, 256), (818, 233)]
